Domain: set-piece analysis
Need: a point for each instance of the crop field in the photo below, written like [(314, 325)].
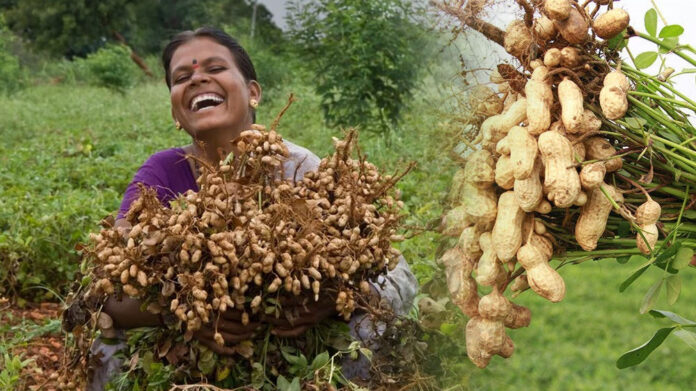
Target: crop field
[(69, 151)]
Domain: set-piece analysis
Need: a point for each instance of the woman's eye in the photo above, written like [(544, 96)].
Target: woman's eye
[(181, 78), (216, 69)]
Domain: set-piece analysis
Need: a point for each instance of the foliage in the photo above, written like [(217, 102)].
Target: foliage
[(11, 370), (365, 55), (111, 67), (303, 359), (12, 76), (67, 27), (77, 28)]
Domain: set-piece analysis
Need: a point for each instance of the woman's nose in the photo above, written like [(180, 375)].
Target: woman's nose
[(199, 76)]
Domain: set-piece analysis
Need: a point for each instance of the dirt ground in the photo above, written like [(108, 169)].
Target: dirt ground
[(45, 352)]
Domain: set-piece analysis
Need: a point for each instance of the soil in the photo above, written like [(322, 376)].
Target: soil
[(45, 351)]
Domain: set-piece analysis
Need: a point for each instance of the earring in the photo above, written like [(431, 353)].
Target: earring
[(253, 103), (178, 125)]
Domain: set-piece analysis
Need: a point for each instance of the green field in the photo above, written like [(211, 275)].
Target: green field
[(68, 152)]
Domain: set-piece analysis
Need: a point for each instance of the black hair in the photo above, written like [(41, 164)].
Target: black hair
[(241, 57)]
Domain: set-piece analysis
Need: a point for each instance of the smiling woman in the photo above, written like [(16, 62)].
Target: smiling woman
[(214, 93)]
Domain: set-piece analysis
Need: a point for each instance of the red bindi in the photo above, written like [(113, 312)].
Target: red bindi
[(195, 64)]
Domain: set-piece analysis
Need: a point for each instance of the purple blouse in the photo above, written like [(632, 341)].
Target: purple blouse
[(168, 172)]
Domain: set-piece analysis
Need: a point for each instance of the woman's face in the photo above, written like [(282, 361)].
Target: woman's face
[(208, 91)]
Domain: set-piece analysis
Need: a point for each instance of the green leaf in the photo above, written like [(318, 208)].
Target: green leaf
[(651, 21), (295, 385), (618, 42), (673, 288), (688, 337), (639, 354), (672, 30), (682, 258), (320, 361), (282, 383), (671, 316), (367, 353), (448, 328), (635, 274), (668, 44), (645, 59), (650, 297), (622, 260)]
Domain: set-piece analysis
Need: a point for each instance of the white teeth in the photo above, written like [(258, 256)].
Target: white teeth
[(208, 96)]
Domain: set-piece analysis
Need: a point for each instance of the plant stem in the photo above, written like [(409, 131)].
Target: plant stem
[(671, 49)]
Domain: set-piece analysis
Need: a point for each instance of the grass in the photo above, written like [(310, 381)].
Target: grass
[(69, 151)]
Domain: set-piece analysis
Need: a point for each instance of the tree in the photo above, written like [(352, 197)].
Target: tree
[(78, 27), (366, 56)]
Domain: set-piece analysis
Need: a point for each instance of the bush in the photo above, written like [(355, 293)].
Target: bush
[(111, 67), (12, 76), (366, 56)]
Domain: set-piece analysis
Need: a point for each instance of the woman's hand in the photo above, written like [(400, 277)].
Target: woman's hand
[(230, 326), (299, 313)]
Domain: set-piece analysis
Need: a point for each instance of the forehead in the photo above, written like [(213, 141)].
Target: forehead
[(199, 48)]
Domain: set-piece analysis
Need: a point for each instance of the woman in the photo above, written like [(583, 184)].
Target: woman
[(214, 93)]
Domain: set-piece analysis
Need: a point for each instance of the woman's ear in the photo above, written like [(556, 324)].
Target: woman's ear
[(255, 90)]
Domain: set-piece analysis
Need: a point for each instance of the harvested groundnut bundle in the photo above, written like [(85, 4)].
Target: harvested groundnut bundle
[(592, 175), (557, 9), (539, 101), (561, 180), (469, 243), (517, 38), (542, 278), (522, 148), (578, 146), (599, 148), (650, 233), (534, 64), (594, 215), (455, 193), (496, 77), (544, 207), (570, 57), (574, 28), (611, 23), (617, 79), (496, 127), (612, 97), (647, 215), (544, 29), (570, 97), (480, 205), (590, 122), (455, 221), (581, 199), (485, 334), (507, 231), (552, 57), (519, 284), (461, 285), (518, 317), (529, 192), (485, 102), (504, 173), (479, 169), (489, 267)]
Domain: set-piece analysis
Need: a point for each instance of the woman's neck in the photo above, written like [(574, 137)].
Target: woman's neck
[(214, 145)]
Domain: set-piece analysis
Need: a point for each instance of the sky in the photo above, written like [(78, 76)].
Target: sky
[(277, 8)]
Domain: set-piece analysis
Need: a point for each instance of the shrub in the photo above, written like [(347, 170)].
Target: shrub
[(366, 56), (12, 76), (111, 67)]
